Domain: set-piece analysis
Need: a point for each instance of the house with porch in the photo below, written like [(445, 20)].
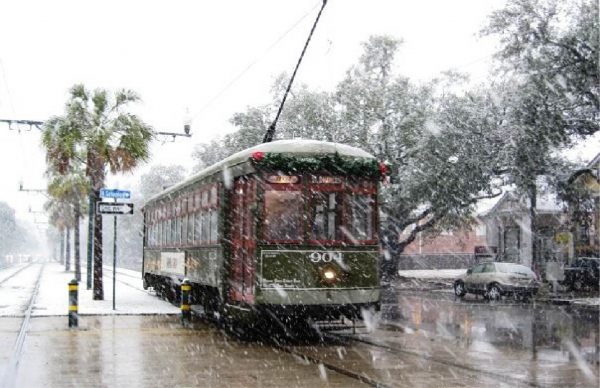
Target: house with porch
[(508, 226), (584, 210)]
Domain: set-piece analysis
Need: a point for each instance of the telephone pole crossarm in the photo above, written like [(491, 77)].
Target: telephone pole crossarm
[(31, 123)]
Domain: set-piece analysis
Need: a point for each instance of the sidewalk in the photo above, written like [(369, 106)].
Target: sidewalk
[(131, 298), (429, 280)]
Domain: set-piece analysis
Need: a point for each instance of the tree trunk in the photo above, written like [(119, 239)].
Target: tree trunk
[(62, 246), (98, 287), (68, 251), (389, 263), (534, 231), (95, 171), (77, 242), (90, 241)]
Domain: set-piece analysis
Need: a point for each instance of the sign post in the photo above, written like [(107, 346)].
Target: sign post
[(116, 209)]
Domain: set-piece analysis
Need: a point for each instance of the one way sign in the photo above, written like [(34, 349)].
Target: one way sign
[(117, 208)]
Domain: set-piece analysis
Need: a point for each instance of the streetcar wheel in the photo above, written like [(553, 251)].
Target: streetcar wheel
[(459, 289)]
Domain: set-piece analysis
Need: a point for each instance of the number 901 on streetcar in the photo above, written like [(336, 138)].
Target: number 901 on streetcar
[(287, 228)]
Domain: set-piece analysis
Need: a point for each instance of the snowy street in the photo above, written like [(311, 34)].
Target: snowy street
[(431, 338)]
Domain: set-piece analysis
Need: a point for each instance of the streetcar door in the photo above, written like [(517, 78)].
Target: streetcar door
[(243, 240)]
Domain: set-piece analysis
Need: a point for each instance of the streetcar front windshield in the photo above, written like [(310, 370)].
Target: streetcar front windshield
[(283, 219), (330, 213), (326, 216)]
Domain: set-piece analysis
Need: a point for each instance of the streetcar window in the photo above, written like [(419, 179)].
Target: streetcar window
[(360, 223), (283, 212), (198, 228), (173, 231), (184, 229), (154, 231), (205, 227), (168, 232), (191, 228), (326, 216), (158, 234), (196, 200), (213, 196), (214, 226), (204, 198)]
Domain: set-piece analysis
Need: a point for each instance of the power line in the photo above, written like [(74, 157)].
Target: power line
[(253, 63)]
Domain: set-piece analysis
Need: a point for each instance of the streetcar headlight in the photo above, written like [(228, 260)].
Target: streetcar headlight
[(328, 275)]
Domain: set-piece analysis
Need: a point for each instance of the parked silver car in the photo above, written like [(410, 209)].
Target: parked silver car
[(494, 280)]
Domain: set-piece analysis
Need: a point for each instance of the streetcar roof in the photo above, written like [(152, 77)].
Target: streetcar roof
[(296, 146)]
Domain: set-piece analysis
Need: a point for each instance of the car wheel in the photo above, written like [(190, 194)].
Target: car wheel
[(459, 289), (577, 285), (525, 297), (494, 293)]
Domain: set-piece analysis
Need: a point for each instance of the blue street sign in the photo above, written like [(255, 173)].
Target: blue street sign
[(114, 193)]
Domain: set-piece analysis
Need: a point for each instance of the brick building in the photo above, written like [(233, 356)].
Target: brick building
[(450, 249)]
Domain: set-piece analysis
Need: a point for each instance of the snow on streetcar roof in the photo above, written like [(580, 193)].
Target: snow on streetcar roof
[(296, 146)]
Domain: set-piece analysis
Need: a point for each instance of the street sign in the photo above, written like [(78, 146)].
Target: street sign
[(114, 193), (116, 208)]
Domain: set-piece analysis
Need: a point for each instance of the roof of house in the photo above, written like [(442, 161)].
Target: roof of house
[(546, 203)]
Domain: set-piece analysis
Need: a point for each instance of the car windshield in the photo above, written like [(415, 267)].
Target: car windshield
[(521, 270)]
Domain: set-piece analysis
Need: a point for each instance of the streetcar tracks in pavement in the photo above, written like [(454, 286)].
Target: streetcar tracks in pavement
[(10, 373), (391, 349), (363, 379)]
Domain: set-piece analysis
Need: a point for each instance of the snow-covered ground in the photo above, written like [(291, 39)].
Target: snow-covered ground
[(131, 298), (432, 274), (7, 272)]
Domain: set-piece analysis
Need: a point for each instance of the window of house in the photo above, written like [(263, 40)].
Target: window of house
[(480, 230)]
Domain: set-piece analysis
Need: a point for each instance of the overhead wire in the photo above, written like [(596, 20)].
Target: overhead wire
[(14, 112), (253, 63)]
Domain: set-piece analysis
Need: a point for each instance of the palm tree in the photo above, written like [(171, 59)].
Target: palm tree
[(60, 216), (71, 189), (97, 126)]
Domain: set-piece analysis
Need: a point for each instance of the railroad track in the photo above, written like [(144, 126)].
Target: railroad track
[(346, 372), (10, 373), (15, 273)]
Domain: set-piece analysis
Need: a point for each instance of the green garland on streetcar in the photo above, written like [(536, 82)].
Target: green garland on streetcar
[(334, 164)]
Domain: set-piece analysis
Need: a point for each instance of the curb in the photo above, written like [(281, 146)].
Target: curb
[(437, 284)]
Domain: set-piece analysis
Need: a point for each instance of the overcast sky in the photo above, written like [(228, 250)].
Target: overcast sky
[(180, 55)]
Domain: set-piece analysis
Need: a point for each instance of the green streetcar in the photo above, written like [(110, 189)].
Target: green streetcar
[(287, 228)]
